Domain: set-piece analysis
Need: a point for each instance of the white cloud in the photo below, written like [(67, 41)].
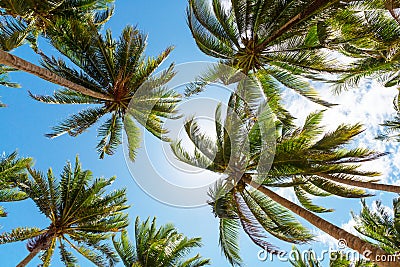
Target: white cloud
[(287, 193), (331, 242), (325, 239), (369, 104)]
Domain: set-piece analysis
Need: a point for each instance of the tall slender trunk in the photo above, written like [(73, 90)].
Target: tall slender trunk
[(352, 241), (30, 256), (391, 6), (21, 64), (368, 185), (305, 13)]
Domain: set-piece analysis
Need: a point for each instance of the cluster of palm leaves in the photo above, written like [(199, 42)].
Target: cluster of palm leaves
[(158, 247), (83, 217), (257, 146), (279, 52), (23, 21), (10, 167)]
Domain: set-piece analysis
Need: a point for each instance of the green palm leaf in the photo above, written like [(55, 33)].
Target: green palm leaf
[(116, 69), (80, 211), (157, 247)]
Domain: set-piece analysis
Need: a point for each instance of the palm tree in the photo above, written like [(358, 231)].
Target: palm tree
[(312, 160), (39, 17), (379, 226), (157, 247), (11, 166), (311, 163), (372, 33), (372, 29), (337, 259), (12, 36), (115, 70), (81, 216), (280, 38), (23, 21)]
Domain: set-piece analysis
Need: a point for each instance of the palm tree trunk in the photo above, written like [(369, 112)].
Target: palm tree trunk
[(21, 64), (368, 185), (391, 6), (352, 241), (317, 4), (30, 256)]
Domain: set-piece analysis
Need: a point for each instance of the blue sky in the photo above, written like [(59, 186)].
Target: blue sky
[(25, 121)]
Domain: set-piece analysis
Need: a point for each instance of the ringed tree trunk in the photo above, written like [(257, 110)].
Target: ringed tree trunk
[(21, 64), (30, 256), (368, 185), (352, 241), (44, 242)]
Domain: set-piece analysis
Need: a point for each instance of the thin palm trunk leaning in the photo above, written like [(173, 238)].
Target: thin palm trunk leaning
[(21, 64), (44, 246), (361, 184), (352, 241)]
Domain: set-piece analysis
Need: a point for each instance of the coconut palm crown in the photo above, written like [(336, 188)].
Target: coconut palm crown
[(281, 38), (35, 17), (156, 246), (81, 216), (115, 69)]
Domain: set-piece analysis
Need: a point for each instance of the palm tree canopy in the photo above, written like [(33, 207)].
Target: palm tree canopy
[(306, 157), (301, 157), (372, 31), (80, 212), (380, 226), (282, 38), (158, 247), (11, 167), (116, 69), (30, 18), (23, 21), (238, 206)]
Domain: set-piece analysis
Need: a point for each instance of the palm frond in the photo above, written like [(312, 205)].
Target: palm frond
[(133, 136), (20, 234), (110, 133), (78, 123)]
